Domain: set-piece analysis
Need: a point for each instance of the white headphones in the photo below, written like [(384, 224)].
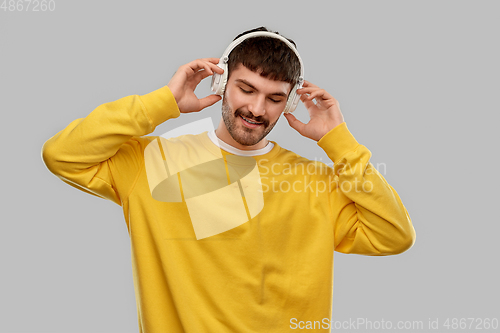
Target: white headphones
[(219, 80)]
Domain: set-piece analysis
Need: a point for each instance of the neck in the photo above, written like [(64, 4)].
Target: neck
[(223, 134)]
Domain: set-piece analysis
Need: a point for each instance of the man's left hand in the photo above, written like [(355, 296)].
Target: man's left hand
[(325, 114)]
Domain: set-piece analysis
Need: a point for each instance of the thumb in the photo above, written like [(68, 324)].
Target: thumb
[(209, 100), (295, 123)]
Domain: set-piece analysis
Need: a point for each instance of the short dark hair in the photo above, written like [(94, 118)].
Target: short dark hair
[(270, 57)]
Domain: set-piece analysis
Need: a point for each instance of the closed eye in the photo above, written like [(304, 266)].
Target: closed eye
[(246, 91), (250, 91)]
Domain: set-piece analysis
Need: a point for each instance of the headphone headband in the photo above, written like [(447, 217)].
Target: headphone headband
[(236, 42)]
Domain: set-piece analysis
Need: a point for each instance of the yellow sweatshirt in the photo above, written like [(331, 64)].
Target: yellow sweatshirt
[(259, 257)]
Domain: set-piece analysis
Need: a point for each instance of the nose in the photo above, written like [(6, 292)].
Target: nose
[(257, 106)]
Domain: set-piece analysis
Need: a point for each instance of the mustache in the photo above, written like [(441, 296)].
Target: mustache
[(250, 116)]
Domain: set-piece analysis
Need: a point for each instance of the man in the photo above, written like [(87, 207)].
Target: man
[(254, 254)]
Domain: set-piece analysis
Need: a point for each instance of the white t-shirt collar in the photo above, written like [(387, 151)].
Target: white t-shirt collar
[(230, 149)]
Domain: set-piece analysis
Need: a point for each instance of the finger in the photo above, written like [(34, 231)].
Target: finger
[(307, 102), (307, 90), (324, 96), (311, 96), (197, 65), (295, 123), (308, 84), (209, 100), (200, 75), (317, 94), (212, 60), (208, 69), (216, 68), (211, 67)]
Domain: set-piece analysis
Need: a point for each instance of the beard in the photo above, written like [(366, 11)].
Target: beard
[(241, 134)]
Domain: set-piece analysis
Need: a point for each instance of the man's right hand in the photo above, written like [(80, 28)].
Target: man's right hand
[(186, 79)]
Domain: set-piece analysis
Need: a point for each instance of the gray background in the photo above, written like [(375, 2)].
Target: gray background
[(417, 82)]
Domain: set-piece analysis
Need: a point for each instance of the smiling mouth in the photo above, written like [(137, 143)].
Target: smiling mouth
[(250, 121)]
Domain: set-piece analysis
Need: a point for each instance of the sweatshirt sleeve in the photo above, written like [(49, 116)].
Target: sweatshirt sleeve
[(368, 215), (102, 153)]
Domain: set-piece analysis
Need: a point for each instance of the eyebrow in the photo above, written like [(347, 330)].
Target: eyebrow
[(279, 93)]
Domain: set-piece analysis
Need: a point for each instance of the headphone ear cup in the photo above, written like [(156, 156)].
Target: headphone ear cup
[(293, 99), (223, 81), (219, 80)]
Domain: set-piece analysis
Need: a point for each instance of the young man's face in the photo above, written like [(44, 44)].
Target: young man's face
[(251, 97)]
